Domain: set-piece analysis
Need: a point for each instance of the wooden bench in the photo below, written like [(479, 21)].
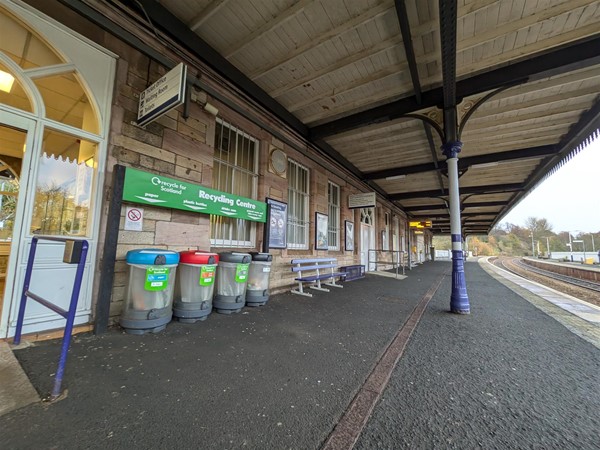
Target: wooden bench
[(318, 269)]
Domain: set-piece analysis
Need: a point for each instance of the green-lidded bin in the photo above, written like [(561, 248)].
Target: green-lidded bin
[(149, 300), (195, 285), (257, 291), (232, 278)]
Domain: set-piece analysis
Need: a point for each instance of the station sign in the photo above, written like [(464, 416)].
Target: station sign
[(162, 96), (420, 225), (156, 190), (364, 200)]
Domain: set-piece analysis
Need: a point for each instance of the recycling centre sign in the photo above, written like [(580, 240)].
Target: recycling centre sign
[(156, 190)]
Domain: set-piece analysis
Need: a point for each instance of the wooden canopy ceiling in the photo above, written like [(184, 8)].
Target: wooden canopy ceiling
[(367, 82)]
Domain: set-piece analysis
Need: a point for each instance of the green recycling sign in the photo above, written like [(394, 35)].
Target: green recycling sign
[(156, 190)]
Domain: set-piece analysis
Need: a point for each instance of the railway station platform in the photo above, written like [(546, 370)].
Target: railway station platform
[(380, 363)]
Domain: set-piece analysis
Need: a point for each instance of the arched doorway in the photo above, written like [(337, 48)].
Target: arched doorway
[(54, 109), (367, 236)]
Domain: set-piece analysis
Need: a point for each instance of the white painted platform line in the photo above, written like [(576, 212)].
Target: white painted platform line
[(15, 389), (586, 311), (387, 274)]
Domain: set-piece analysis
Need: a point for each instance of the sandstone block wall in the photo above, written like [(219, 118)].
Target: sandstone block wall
[(183, 148)]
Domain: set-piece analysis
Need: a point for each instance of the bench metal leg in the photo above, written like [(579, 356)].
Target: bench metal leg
[(306, 294), (319, 288), (300, 290), (334, 284)]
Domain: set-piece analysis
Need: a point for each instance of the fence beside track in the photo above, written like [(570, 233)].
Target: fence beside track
[(523, 264)]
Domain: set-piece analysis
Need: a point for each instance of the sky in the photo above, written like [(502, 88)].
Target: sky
[(569, 199)]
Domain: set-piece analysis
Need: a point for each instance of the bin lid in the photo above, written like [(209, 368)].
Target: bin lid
[(261, 257), (235, 257), (198, 257), (152, 256)]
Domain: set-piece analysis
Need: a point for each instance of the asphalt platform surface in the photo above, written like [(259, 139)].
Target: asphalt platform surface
[(281, 376)]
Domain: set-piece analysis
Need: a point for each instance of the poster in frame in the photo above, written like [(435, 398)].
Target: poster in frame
[(321, 231), (349, 235), (277, 223)]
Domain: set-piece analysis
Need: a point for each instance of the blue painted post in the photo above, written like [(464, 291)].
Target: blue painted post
[(69, 326), (26, 282), (459, 300)]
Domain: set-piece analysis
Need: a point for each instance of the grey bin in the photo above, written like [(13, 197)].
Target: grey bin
[(257, 292), (149, 300), (195, 286), (232, 277)]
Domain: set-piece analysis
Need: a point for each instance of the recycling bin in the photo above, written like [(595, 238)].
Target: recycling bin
[(149, 299), (195, 286), (232, 277), (257, 291)]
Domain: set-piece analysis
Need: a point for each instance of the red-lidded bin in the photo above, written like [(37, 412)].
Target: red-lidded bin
[(195, 286)]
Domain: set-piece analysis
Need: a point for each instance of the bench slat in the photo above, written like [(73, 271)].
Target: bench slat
[(315, 278), (313, 260), (324, 266), (322, 277)]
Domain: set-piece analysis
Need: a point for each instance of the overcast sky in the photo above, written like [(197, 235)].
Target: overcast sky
[(569, 199)]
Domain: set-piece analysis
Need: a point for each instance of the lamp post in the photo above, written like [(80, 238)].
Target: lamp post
[(570, 244), (532, 245)]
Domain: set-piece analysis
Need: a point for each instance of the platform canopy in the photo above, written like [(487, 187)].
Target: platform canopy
[(363, 81)]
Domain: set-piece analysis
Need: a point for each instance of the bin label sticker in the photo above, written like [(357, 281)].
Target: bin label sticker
[(266, 269), (157, 278), (241, 273), (207, 275)]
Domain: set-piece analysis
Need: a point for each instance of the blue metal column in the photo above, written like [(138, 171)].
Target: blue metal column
[(459, 300)]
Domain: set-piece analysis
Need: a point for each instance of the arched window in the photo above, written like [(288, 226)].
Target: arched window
[(366, 216), (40, 81), (26, 56)]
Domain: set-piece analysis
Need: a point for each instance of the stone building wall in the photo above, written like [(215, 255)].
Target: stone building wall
[(183, 148)]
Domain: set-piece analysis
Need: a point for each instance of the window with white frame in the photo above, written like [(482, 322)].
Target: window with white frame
[(333, 203), (235, 170), (298, 196), (395, 231), (386, 233)]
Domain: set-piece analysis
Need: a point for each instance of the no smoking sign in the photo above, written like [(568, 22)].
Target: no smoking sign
[(134, 219)]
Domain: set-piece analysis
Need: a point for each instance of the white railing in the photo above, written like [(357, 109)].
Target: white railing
[(390, 259)]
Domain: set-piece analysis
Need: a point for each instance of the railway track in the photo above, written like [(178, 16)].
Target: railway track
[(509, 263)]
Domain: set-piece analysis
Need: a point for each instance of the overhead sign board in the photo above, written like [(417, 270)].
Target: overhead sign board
[(422, 224), (165, 94), (364, 200), (156, 190)]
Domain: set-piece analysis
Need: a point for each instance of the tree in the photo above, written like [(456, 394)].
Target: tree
[(538, 226), (481, 248), (8, 206)]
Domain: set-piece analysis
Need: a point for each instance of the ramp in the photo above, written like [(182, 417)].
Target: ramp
[(15, 389)]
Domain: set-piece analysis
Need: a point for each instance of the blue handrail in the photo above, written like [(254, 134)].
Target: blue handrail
[(69, 315)]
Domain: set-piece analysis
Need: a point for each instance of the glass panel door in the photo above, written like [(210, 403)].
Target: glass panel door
[(64, 182), (13, 143)]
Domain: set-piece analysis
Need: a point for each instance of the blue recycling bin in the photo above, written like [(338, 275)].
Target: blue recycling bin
[(149, 299)]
